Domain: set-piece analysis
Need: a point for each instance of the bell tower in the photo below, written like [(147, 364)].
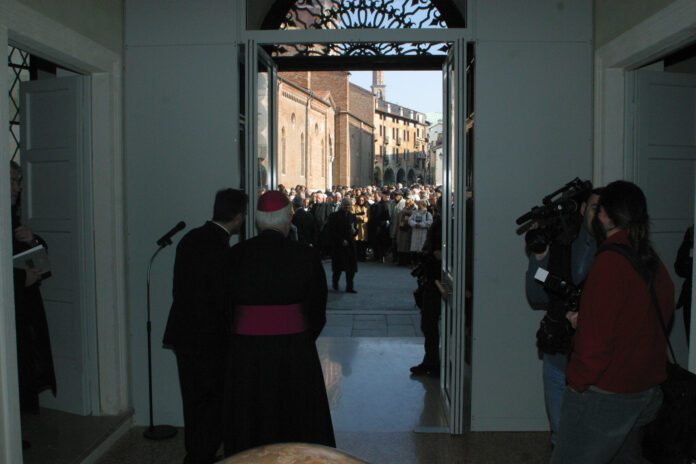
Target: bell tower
[(378, 87)]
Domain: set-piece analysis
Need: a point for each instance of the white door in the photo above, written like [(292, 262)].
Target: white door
[(56, 204), (665, 154), (455, 375), (260, 170)]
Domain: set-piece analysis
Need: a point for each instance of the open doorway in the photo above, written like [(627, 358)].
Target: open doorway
[(456, 76), (661, 136), (50, 144)]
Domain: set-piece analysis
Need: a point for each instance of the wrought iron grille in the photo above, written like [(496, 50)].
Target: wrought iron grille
[(18, 64), (362, 49), (356, 14)]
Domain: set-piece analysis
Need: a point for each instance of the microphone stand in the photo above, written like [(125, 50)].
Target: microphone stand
[(154, 432)]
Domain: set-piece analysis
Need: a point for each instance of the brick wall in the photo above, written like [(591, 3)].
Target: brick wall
[(335, 82), (303, 146)]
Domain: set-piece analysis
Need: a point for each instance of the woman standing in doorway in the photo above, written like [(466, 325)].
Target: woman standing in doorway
[(34, 358)]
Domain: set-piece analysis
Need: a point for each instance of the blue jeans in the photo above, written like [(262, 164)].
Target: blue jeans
[(604, 427), (554, 386)]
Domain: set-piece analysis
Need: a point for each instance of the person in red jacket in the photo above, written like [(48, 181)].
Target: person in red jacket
[(620, 354)]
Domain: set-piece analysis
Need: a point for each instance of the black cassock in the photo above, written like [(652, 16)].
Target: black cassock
[(274, 391)]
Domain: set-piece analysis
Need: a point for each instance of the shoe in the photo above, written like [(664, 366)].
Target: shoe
[(420, 369), (425, 369), (351, 291)]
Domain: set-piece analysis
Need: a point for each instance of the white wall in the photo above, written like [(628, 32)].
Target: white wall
[(181, 145), (533, 134)]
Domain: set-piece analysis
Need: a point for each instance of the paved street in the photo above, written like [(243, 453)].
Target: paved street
[(383, 306)]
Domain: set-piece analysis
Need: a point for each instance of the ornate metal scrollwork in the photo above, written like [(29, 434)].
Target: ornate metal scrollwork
[(356, 14), (362, 49)]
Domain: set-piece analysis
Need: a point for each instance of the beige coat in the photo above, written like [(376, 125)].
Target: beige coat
[(361, 221)]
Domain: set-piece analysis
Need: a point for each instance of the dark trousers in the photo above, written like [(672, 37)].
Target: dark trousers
[(349, 279), (201, 377), (430, 320), (604, 427)]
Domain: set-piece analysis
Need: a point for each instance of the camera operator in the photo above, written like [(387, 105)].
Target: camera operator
[(569, 257), (429, 275)]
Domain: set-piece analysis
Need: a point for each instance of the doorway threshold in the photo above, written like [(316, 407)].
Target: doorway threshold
[(63, 438)]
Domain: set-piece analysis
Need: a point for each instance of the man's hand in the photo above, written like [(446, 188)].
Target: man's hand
[(24, 234), (33, 276), (572, 316), (542, 255)]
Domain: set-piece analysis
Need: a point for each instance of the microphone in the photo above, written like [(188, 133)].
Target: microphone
[(167, 238)]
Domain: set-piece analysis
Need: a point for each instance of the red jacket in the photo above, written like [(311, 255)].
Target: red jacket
[(619, 344)]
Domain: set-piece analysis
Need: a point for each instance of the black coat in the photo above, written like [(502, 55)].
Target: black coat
[(306, 227), (342, 228), (196, 320), (34, 357)]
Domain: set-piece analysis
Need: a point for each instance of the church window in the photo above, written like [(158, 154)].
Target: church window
[(302, 155), (283, 154)]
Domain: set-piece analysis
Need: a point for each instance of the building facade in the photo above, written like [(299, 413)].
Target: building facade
[(329, 141), (306, 136), (401, 140)]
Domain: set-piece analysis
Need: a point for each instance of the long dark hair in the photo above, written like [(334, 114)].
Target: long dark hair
[(626, 206)]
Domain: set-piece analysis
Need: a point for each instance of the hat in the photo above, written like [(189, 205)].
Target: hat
[(398, 192), (271, 201)]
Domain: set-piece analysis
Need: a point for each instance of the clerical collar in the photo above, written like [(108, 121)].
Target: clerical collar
[(222, 227)]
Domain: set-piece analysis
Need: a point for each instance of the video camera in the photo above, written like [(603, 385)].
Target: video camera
[(557, 218), (555, 284)]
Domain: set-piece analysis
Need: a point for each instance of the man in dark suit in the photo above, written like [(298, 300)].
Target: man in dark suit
[(303, 220), (196, 328), (342, 230)]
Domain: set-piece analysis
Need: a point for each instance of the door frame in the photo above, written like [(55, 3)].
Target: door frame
[(25, 28), (254, 55), (454, 35), (666, 31)]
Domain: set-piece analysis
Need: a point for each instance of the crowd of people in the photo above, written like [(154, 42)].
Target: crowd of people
[(391, 222), (395, 223)]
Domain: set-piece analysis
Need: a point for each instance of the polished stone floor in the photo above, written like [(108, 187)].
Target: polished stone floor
[(380, 413)]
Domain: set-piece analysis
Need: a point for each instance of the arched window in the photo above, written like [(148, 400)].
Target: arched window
[(302, 155), (282, 151)]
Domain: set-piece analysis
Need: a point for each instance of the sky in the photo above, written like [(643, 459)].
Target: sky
[(417, 90)]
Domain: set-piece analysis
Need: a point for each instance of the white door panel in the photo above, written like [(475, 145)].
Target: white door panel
[(54, 141)]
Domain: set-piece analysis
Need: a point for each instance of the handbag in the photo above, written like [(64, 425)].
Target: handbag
[(671, 437)]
